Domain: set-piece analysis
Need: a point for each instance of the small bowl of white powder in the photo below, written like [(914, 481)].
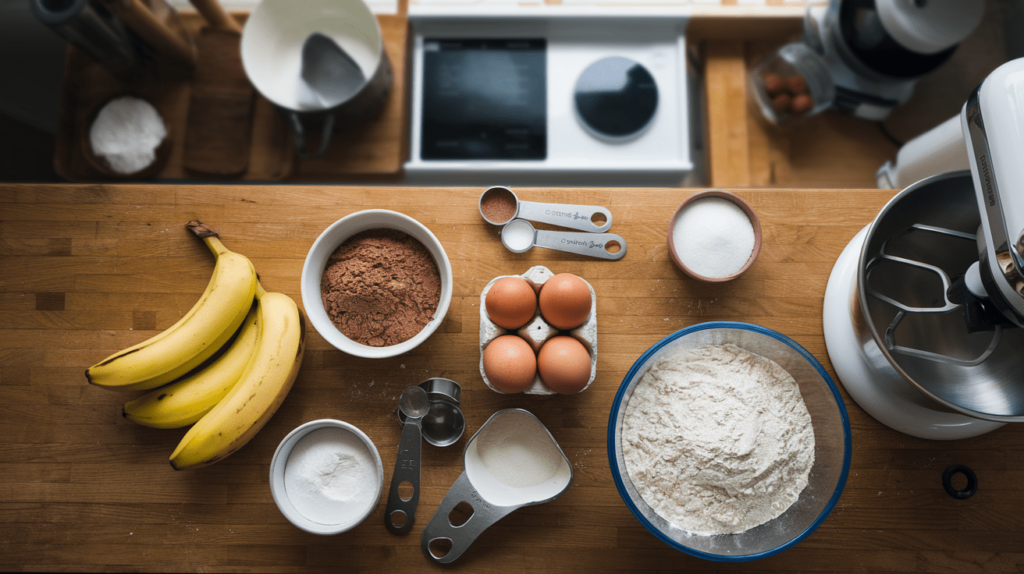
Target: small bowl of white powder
[(729, 441), (714, 236), (126, 138), (326, 476)]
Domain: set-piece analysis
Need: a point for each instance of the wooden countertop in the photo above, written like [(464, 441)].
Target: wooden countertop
[(91, 269)]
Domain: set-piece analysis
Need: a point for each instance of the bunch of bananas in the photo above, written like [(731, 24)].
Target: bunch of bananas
[(227, 399)]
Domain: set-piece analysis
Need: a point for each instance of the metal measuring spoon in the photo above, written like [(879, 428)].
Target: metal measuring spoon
[(414, 405), (520, 236), (571, 216), (444, 423)]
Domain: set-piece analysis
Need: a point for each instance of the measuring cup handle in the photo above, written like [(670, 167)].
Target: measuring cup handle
[(571, 216), (461, 537), (300, 135), (589, 244), (407, 468)]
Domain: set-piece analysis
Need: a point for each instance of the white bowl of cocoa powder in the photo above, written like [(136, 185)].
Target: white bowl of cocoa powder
[(376, 284)]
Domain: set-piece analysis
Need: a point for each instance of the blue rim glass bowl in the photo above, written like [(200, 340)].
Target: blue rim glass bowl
[(831, 450)]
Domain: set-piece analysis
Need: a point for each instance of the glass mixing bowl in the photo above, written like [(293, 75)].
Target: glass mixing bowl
[(831, 450)]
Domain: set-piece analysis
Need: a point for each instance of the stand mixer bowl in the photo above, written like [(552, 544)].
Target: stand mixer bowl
[(896, 336)]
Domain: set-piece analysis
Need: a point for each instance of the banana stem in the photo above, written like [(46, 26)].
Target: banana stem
[(210, 237)]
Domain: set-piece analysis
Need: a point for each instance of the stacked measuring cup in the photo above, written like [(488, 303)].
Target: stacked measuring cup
[(500, 206)]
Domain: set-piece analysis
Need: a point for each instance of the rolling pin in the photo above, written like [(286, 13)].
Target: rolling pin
[(215, 15), (174, 44)]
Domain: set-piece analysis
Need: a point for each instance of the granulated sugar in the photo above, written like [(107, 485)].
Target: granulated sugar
[(713, 237), (126, 133)]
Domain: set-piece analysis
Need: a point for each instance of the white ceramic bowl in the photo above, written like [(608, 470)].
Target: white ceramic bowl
[(277, 487), (334, 236)]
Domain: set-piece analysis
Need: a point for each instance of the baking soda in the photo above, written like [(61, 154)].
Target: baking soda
[(330, 476), (713, 237)]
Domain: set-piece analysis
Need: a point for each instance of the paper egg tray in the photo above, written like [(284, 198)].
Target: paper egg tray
[(537, 331)]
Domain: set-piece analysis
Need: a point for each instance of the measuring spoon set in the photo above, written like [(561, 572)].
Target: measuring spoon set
[(511, 462), (518, 235)]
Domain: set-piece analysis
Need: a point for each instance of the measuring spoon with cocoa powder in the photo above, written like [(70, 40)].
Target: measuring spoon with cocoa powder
[(499, 205)]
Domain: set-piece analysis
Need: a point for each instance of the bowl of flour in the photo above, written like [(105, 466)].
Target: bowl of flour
[(729, 441), (326, 476)]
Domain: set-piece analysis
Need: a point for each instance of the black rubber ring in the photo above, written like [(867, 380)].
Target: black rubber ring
[(972, 482)]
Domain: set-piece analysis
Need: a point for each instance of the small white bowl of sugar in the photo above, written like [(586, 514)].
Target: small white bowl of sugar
[(326, 476), (714, 236)]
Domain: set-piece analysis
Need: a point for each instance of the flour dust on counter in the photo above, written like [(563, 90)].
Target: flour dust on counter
[(718, 440)]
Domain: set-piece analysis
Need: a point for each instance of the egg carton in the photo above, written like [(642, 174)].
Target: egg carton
[(537, 331)]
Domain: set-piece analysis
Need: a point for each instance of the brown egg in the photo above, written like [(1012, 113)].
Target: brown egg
[(510, 364), (565, 301), (564, 365), (802, 103), (773, 83), (511, 302)]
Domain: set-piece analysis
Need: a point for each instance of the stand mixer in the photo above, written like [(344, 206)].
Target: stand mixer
[(924, 308), (861, 57)]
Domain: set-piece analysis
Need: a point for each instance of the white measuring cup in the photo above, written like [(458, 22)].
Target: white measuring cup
[(511, 462), (519, 236), (572, 216)]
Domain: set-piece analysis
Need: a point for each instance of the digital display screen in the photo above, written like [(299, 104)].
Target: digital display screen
[(484, 99)]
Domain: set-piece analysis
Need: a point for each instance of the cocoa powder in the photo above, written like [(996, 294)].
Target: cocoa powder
[(498, 207), (381, 287)]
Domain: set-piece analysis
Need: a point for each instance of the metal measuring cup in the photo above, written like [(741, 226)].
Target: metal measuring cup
[(519, 236), (491, 494), (572, 216), (429, 411)]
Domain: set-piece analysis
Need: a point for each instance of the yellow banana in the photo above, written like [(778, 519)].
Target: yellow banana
[(186, 400), (258, 394), (196, 337)]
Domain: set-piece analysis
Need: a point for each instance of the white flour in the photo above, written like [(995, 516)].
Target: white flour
[(718, 440), (330, 476)]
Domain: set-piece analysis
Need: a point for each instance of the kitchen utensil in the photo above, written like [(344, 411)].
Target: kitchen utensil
[(272, 54), (280, 494), (401, 512), (444, 422), (328, 69), (899, 342), (94, 31), (511, 462), (219, 124), (328, 242), (572, 216), (751, 215), (215, 15), (519, 236), (159, 25), (831, 450)]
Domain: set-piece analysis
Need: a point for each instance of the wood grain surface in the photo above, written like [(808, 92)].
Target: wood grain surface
[(88, 270)]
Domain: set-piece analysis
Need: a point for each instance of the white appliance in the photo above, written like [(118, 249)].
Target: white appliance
[(550, 95), (924, 309), (863, 57)]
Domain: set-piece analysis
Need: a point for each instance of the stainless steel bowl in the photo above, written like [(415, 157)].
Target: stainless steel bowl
[(906, 323), (831, 450)]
